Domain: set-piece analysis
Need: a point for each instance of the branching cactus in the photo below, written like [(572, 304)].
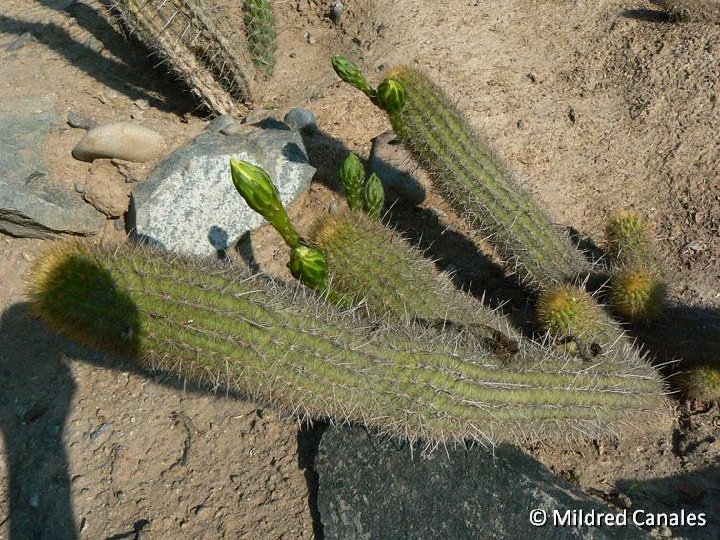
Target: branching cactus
[(356, 260), (479, 186), (212, 324), (186, 36), (637, 288), (262, 38)]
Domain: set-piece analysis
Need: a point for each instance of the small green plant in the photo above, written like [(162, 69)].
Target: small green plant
[(210, 323), (262, 38)]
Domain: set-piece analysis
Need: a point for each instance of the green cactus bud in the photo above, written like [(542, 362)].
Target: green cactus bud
[(391, 96), (255, 186), (373, 197), (309, 266), (349, 72), (352, 178)]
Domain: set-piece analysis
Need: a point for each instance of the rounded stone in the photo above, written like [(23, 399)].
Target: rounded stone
[(123, 140), (300, 119)]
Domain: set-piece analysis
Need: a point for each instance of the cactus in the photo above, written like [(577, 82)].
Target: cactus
[(373, 265), (262, 38), (480, 187), (210, 323), (352, 179), (186, 35), (700, 382), (373, 197), (637, 288), (473, 179)]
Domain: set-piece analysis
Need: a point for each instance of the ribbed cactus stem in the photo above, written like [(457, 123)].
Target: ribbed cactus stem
[(186, 35), (375, 266), (262, 38), (213, 324), (478, 185)]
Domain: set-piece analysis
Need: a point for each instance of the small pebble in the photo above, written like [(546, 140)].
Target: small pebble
[(293, 55), (521, 124), (34, 500), (624, 500), (141, 104), (309, 38), (76, 120), (301, 119), (122, 140), (99, 431), (20, 42), (219, 123), (94, 44), (336, 12), (80, 187)]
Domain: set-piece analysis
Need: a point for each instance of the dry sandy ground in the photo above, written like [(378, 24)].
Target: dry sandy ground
[(598, 105)]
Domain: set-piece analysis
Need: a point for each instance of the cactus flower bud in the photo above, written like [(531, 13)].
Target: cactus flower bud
[(352, 178), (391, 96), (349, 72), (373, 197), (255, 186), (309, 266)]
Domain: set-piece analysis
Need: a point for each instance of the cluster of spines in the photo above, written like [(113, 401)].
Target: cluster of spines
[(287, 348), (261, 34), (186, 35)]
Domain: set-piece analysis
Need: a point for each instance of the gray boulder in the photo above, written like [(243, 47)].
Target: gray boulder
[(372, 488), (188, 202), (33, 203)]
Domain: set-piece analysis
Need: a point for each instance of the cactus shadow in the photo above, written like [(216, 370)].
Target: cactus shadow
[(130, 60), (646, 15)]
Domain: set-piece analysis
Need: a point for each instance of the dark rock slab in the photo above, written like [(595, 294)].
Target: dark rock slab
[(372, 488), (32, 202)]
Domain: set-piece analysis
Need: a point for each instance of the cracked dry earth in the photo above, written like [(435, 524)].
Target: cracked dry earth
[(597, 105)]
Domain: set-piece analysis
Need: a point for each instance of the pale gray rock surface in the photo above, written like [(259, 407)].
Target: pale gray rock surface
[(370, 487), (32, 202), (123, 140), (189, 204)]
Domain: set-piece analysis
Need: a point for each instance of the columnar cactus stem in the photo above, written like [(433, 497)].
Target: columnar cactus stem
[(185, 34), (213, 324), (262, 38), (373, 265)]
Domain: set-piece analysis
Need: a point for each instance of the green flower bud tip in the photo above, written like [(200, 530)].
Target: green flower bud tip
[(373, 197), (254, 185), (350, 73), (309, 266), (352, 178), (391, 96)]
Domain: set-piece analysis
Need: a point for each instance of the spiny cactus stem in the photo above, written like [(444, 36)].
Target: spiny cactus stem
[(289, 349), (477, 184)]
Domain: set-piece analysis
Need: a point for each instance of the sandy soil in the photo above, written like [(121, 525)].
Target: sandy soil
[(597, 105)]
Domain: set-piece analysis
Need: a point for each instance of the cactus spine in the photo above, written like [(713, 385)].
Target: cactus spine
[(186, 36), (213, 324), (262, 38), (637, 289)]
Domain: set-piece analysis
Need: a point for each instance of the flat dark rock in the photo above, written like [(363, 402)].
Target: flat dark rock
[(32, 202), (375, 488)]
